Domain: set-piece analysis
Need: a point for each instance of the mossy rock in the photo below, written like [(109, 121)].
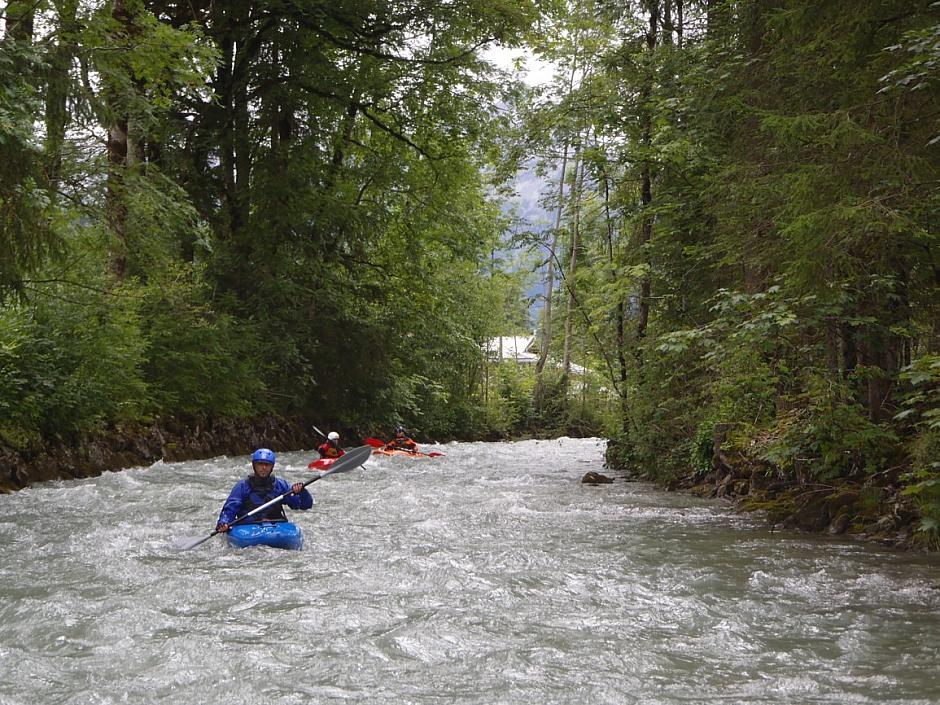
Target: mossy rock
[(843, 499), (776, 506)]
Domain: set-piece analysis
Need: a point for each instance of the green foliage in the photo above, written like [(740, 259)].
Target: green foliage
[(200, 362), (703, 449), (922, 411), (162, 225), (832, 437), (146, 65), (515, 385), (301, 227), (785, 246), (922, 402), (71, 361), (26, 239), (310, 225), (923, 482), (920, 67)]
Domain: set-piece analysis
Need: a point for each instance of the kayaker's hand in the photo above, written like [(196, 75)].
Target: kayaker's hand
[(222, 528), (297, 488)]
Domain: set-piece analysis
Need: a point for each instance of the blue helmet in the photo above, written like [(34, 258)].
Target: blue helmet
[(263, 455)]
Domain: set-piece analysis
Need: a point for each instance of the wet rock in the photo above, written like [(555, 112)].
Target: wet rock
[(840, 524), (811, 516), (885, 524), (840, 501), (595, 478), (905, 536), (725, 485)]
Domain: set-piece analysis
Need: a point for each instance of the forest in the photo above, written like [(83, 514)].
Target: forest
[(305, 209)]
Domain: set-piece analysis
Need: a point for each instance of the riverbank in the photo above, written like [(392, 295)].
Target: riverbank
[(134, 445), (871, 509)]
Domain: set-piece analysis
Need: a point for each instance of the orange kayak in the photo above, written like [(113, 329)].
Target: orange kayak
[(399, 453), (404, 453), (380, 449)]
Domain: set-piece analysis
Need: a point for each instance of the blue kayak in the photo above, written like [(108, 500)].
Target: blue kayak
[(279, 534)]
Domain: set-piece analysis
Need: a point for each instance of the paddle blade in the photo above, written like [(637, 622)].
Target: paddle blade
[(374, 442), (435, 455), (193, 541)]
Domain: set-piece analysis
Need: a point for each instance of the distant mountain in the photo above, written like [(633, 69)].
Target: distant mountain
[(526, 205)]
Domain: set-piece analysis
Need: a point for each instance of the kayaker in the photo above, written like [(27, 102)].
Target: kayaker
[(260, 487), (330, 448), (401, 441)]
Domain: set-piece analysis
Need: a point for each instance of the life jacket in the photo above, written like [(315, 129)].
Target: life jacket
[(401, 444), (328, 450), (261, 491)]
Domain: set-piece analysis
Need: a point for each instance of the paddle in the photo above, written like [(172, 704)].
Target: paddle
[(376, 443), (352, 459), (314, 465)]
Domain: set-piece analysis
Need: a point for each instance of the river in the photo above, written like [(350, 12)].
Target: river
[(488, 576)]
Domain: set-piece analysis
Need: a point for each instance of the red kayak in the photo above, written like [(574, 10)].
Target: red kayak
[(322, 463)]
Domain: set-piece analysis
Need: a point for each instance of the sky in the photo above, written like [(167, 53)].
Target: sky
[(534, 72)]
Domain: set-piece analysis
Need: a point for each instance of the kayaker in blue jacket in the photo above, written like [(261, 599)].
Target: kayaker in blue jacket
[(261, 487)]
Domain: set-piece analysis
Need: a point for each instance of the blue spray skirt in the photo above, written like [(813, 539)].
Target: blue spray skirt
[(281, 534)]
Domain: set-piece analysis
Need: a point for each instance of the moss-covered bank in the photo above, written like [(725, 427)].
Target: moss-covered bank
[(870, 508)]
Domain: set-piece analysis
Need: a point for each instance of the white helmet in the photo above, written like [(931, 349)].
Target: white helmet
[(332, 436)]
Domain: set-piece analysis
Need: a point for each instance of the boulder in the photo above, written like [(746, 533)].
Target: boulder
[(595, 478), (840, 524)]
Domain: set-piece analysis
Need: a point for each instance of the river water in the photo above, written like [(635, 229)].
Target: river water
[(488, 576)]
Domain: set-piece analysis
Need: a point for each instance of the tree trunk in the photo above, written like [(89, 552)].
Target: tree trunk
[(646, 178), (242, 143), (550, 285), (57, 88), (680, 22), (621, 304), (117, 132), (550, 265), (224, 89), (116, 207), (577, 185), (667, 22)]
